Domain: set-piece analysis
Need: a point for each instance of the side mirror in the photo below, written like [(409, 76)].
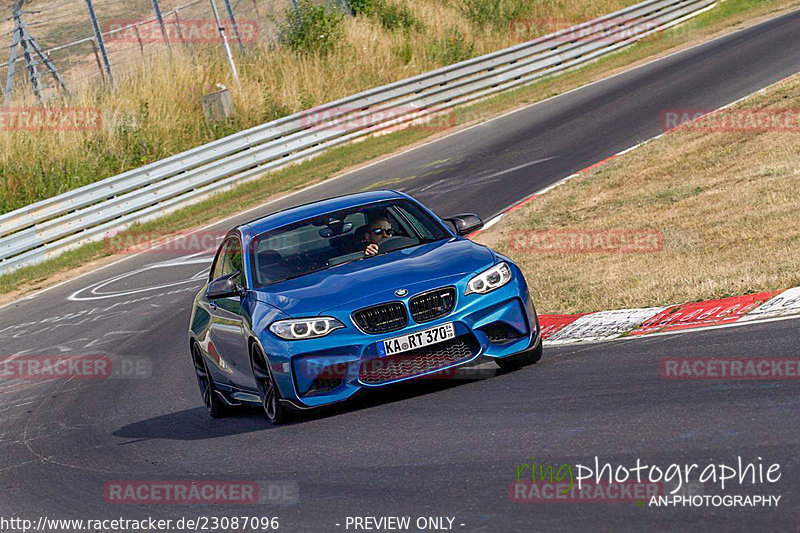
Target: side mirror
[(224, 287), (465, 223)]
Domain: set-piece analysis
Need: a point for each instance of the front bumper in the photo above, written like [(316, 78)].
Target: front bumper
[(317, 372)]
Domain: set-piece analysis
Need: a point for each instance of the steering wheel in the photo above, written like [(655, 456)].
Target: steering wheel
[(395, 243)]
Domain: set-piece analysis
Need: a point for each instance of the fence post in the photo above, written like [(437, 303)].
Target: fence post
[(139, 38), (160, 19), (98, 37), (12, 65), (97, 58), (234, 26), (225, 44), (30, 60)]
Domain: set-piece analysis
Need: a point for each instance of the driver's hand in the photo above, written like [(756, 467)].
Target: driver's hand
[(371, 250)]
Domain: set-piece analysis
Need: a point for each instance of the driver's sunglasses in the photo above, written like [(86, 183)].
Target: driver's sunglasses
[(381, 231)]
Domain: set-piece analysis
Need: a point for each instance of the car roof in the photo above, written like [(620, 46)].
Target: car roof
[(320, 207)]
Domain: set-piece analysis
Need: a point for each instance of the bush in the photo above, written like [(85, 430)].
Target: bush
[(362, 7), (404, 52), (497, 13), (312, 28), (454, 47), (390, 15)]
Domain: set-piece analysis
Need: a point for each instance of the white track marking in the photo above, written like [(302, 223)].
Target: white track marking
[(94, 289)]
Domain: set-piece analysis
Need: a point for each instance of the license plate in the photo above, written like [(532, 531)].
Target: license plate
[(412, 341)]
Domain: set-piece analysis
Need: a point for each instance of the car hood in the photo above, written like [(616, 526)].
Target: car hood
[(374, 280)]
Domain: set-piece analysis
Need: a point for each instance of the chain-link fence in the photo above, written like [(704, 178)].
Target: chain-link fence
[(63, 32)]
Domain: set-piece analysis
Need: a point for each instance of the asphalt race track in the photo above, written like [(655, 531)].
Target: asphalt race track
[(424, 449)]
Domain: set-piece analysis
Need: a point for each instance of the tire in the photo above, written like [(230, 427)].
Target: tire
[(274, 410), (526, 358), (215, 406)]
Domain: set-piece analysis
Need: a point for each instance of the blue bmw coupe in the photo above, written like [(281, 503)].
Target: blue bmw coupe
[(308, 306)]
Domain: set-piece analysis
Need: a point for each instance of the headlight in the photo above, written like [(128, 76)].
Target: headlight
[(490, 279), (304, 328)]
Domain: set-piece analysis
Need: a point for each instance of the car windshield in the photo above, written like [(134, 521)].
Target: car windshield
[(341, 237)]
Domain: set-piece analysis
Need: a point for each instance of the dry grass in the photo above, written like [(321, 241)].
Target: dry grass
[(155, 110), (726, 204)]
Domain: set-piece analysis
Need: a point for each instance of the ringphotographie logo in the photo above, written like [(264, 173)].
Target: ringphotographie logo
[(179, 31), (35, 367), (730, 368), (541, 483), (31, 119), (385, 119), (644, 484), (587, 241), (733, 120), (609, 30)]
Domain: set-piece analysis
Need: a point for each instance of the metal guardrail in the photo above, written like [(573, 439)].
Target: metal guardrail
[(50, 227)]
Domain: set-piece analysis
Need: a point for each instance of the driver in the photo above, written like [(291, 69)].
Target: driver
[(378, 230)]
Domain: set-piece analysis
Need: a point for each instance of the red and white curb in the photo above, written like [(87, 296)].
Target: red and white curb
[(608, 325)]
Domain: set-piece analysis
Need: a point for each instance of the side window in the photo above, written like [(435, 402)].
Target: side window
[(216, 270), (232, 260), (421, 222), (402, 225), (229, 260)]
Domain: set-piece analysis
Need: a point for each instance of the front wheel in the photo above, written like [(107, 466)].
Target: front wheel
[(214, 405), (275, 412), (528, 357)]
